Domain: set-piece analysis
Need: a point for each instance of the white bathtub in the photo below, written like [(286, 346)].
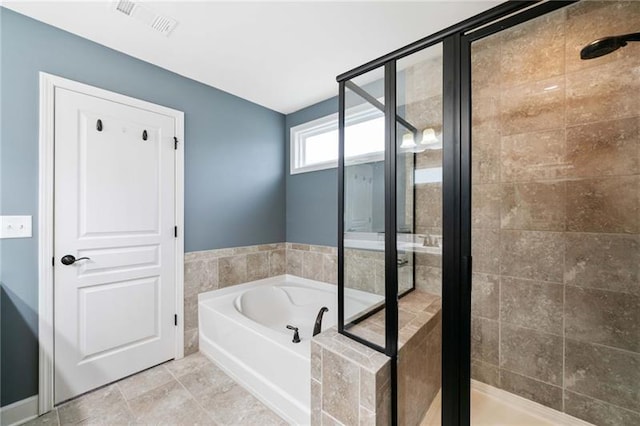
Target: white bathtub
[(242, 330)]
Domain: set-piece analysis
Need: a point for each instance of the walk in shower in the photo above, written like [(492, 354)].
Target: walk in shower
[(555, 212), (500, 215)]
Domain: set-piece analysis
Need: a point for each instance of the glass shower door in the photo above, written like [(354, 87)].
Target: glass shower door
[(418, 163), (392, 295), (364, 207)]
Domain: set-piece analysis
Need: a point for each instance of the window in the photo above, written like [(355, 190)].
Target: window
[(314, 145)]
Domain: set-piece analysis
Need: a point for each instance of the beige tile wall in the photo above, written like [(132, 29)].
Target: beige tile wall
[(313, 262), (350, 383), (556, 214), (364, 270), (213, 269)]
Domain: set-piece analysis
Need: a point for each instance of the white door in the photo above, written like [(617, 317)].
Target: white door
[(114, 204)]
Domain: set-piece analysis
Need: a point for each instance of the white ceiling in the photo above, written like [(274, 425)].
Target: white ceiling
[(282, 55)]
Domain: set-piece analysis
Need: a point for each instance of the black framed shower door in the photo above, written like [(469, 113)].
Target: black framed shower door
[(456, 197)]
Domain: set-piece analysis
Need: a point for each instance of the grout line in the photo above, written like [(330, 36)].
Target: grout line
[(566, 219), (521, 278), (560, 179), (530, 378), (360, 392), (499, 327), (527, 328), (321, 381), (604, 402), (600, 289), (555, 283), (126, 401), (564, 269), (626, 351), (195, 399)]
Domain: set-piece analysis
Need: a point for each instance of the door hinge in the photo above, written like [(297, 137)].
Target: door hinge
[(53, 261), (175, 142), (175, 232), (175, 320)]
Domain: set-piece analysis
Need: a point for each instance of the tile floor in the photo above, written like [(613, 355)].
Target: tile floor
[(189, 391)]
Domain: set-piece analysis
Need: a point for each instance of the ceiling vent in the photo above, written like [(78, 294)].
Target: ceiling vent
[(125, 6), (163, 24)]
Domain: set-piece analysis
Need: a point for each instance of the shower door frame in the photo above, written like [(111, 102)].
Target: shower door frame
[(466, 99), (456, 197)]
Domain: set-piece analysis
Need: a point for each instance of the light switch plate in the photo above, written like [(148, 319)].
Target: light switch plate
[(15, 227)]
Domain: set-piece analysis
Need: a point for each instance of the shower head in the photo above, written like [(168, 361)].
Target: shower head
[(606, 45)]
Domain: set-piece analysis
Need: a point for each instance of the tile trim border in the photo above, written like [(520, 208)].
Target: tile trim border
[(231, 251), (19, 412)]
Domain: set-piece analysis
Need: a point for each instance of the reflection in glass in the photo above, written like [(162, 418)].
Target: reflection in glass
[(419, 234), (419, 171), (364, 245)]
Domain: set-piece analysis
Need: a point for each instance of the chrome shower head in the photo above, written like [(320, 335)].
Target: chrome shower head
[(606, 45)]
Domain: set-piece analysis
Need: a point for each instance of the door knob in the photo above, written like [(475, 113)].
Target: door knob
[(70, 259)]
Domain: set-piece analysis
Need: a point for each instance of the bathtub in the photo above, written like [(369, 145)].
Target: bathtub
[(242, 329)]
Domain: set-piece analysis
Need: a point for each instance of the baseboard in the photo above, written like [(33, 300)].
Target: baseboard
[(538, 410), (19, 412)]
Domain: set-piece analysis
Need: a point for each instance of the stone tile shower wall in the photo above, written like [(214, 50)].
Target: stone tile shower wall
[(556, 217), (213, 269)]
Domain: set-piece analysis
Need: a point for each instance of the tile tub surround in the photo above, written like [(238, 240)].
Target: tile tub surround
[(364, 270), (350, 382), (189, 391), (313, 262), (556, 214), (213, 269)]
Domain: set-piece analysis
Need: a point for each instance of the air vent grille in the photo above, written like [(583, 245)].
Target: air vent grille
[(163, 24), (125, 6)]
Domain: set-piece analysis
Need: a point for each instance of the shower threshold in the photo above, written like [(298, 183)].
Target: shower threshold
[(496, 407)]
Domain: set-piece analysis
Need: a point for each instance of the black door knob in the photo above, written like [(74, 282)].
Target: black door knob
[(70, 259)]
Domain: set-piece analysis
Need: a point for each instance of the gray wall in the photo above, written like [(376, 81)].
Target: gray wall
[(312, 198), (234, 172)]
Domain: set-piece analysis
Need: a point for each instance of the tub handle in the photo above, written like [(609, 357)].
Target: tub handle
[(296, 336)]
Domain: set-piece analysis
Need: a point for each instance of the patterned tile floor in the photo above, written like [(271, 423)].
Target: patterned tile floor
[(190, 391)]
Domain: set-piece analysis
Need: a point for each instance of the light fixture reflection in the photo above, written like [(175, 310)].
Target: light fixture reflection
[(430, 139), (408, 142)]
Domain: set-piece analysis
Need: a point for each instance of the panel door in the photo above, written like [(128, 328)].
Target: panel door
[(114, 206)]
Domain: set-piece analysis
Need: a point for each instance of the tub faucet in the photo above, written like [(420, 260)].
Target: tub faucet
[(317, 328), (296, 336)]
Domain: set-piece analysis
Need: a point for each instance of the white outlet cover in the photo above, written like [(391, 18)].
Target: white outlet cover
[(15, 227)]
